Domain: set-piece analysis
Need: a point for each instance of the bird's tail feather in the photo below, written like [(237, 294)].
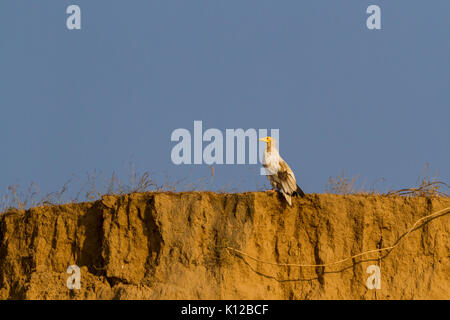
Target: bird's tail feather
[(288, 198), (299, 192)]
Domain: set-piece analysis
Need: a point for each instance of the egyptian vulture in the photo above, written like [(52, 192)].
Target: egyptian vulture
[(280, 175)]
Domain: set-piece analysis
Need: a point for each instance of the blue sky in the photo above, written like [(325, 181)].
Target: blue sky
[(373, 103)]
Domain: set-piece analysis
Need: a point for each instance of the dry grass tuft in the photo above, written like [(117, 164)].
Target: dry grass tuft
[(427, 186), (343, 185)]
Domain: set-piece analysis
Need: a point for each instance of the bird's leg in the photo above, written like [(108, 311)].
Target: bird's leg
[(271, 190)]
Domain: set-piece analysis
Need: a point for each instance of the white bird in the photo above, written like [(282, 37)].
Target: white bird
[(280, 175)]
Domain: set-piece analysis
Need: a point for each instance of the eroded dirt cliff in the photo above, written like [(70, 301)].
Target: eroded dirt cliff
[(173, 246)]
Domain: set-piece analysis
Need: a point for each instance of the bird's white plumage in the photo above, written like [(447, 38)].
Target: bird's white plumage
[(271, 161), (279, 173)]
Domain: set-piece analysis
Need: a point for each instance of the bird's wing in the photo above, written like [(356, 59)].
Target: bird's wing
[(287, 178)]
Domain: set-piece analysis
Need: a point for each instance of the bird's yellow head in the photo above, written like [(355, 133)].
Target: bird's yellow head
[(266, 139)]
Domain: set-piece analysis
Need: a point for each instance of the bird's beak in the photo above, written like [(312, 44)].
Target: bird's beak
[(263, 139)]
